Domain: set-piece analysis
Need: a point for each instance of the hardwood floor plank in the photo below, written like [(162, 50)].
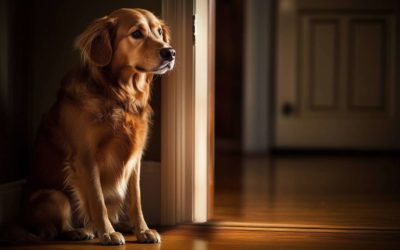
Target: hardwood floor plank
[(289, 202), (217, 238), (322, 191)]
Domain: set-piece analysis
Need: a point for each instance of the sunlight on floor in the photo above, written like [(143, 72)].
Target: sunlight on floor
[(313, 191)]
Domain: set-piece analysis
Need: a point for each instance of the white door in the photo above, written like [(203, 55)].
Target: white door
[(337, 74)]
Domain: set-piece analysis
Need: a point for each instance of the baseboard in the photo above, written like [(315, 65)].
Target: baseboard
[(10, 195)]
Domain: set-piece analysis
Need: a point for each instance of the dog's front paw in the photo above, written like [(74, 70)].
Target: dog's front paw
[(148, 236), (115, 238)]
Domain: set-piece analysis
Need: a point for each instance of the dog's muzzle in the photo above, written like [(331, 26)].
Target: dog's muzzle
[(168, 54)]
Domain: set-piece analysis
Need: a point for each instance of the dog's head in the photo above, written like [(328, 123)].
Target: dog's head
[(133, 39)]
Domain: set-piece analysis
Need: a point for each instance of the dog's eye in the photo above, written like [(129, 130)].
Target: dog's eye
[(137, 34), (160, 31)]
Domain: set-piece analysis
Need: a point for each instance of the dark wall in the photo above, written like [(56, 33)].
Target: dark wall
[(229, 71), (16, 90), (38, 36)]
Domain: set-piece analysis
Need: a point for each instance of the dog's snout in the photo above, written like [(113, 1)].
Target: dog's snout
[(167, 54)]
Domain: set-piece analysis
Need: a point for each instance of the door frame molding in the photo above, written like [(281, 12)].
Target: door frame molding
[(186, 116)]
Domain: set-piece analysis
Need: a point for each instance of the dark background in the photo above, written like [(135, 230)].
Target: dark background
[(229, 74)]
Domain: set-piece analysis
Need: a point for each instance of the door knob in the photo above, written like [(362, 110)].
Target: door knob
[(287, 109)]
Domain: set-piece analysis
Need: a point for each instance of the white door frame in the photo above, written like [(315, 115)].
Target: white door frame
[(185, 132)]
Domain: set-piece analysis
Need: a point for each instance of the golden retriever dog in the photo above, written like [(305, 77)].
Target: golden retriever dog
[(84, 181)]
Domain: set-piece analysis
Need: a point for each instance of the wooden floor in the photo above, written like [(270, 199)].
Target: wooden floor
[(322, 191), (289, 202), (206, 238)]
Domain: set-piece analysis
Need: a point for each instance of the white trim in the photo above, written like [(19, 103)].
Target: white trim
[(200, 192), (184, 118), (176, 120)]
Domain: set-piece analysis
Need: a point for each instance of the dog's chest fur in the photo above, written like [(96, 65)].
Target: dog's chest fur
[(121, 146), (119, 124), (120, 149)]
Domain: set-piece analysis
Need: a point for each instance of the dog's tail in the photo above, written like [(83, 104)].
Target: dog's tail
[(15, 234)]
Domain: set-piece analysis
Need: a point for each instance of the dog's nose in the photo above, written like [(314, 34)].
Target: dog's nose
[(167, 54)]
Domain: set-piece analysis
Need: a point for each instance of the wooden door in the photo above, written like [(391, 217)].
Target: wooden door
[(337, 74)]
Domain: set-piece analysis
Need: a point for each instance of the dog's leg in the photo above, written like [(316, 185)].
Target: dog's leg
[(47, 213), (90, 193), (142, 231), (49, 216)]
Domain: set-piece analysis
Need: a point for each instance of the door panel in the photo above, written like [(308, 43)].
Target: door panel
[(342, 90), (320, 88), (367, 64)]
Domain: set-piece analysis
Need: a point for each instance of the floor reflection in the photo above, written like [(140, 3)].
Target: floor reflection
[(340, 191)]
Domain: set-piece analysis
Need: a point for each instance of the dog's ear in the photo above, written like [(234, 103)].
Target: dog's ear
[(166, 32), (95, 42)]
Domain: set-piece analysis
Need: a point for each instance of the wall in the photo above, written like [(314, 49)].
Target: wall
[(14, 90), (228, 74), (244, 75), (258, 81), (4, 100)]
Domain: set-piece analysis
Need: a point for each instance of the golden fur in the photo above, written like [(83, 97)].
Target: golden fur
[(86, 166)]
